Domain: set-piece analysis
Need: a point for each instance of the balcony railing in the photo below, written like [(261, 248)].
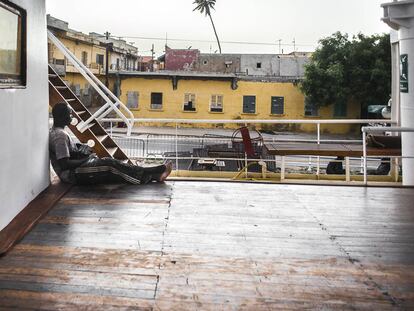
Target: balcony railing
[(208, 152)]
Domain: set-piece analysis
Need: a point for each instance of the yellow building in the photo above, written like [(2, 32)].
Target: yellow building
[(186, 94), (223, 97), (86, 48)]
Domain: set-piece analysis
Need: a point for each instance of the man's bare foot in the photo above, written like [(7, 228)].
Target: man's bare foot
[(167, 172)]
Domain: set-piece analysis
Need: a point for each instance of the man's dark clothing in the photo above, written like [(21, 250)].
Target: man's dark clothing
[(335, 167), (94, 170)]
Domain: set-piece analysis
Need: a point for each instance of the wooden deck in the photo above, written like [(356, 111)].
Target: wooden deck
[(217, 246)]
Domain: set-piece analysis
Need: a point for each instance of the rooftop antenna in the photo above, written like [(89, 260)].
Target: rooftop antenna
[(107, 34), (166, 41), (152, 57)]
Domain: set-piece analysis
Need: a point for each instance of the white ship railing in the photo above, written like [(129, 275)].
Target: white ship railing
[(178, 140), (369, 129)]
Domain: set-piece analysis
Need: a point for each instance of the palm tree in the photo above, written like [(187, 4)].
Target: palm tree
[(205, 6)]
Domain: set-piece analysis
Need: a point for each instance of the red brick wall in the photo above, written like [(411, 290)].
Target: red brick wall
[(180, 59)]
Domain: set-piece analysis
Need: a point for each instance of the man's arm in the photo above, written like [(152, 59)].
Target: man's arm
[(68, 163)]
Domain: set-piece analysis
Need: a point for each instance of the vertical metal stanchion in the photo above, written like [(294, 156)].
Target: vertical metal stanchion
[(364, 148), (347, 169), (282, 169), (245, 159), (396, 169), (318, 165), (176, 148)]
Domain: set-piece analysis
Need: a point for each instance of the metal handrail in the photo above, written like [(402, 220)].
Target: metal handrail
[(111, 104), (370, 129), (243, 121)]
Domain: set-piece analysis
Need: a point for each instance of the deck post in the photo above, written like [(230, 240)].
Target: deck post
[(364, 156), (395, 168), (399, 15), (282, 169), (347, 170), (176, 148), (318, 166)]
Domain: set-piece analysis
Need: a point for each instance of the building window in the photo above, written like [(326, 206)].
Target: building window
[(189, 102), (249, 104), (311, 110), (60, 62), (100, 59), (132, 99), (340, 110), (216, 104), (12, 45), (76, 89), (156, 101), (85, 58), (258, 65), (277, 105), (86, 89)]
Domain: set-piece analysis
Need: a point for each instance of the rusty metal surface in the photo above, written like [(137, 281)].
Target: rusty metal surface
[(217, 246)]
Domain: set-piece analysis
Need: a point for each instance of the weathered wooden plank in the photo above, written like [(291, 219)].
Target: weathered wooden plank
[(69, 301), (31, 214), (219, 246)]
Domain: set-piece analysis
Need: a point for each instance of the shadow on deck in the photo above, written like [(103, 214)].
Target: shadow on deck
[(217, 246)]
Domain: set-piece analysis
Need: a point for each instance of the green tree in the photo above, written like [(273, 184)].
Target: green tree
[(205, 7), (344, 70)]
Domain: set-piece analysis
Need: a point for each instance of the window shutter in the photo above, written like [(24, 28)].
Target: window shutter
[(277, 105)]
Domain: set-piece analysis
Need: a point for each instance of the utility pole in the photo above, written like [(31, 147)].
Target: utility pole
[(107, 34), (152, 57), (280, 45), (294, 45)]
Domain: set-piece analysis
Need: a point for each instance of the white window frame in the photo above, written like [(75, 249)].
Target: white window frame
[(187, 98), (215, 103)]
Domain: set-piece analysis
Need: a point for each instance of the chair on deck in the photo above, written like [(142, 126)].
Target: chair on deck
[(249, 147)]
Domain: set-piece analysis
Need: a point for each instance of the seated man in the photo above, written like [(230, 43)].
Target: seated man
[(76, 163)]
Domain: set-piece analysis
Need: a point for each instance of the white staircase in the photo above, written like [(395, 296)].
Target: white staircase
[(112, 103)]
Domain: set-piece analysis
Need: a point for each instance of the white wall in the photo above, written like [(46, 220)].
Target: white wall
[(24, 161), (274, 65)]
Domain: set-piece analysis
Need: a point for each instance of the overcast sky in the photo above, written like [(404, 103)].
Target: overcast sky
[(252, 21)]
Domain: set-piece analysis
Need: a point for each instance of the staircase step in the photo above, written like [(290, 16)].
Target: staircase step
[(105, 146), (101, 138), (90, 125), (112, 150)]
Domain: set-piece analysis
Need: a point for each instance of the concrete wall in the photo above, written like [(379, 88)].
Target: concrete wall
[(274, 65), (173, 101), (225, 63), (24, 161)]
